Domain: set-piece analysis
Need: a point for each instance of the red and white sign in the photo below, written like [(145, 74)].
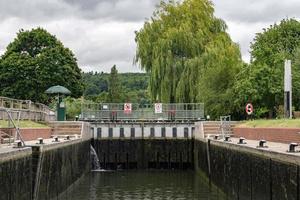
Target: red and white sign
[(158, 107), (249, 108), (127, 108)]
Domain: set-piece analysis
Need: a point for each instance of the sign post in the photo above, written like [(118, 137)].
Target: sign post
[(288, 89)]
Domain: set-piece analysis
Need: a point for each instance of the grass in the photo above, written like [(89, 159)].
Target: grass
[(274, 123), (23, 124)]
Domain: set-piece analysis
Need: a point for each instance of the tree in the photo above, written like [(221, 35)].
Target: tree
[(134, 87), (114, 87), (262, 81), (188, 54), (35, 61)]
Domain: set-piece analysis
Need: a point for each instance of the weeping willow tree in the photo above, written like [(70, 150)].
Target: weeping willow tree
[(183, 46)]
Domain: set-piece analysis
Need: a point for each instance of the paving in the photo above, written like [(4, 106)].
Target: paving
[(250, 145), (273, 150), (9, 150)]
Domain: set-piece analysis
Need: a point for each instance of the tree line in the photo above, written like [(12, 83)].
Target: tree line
[(116, 87)]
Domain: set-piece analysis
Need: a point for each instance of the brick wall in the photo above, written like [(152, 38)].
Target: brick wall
[(31, 133), (282, 135)]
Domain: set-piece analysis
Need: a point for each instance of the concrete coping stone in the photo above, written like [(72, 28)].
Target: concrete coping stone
[(9, 153), (50, 144), (276, 151)]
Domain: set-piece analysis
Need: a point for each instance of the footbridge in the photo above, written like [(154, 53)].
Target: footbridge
[(116, 112)]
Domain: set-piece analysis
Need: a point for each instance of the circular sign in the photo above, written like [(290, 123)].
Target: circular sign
[(249, 108), (158, 108), (127, 107)]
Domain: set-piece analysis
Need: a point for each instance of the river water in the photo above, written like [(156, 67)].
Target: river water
[(143, 185)]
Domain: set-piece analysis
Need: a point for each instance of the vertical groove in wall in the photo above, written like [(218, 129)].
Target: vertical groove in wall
[(208, 158), (251, 179), (239, 175), (298, 183), (270, 172)]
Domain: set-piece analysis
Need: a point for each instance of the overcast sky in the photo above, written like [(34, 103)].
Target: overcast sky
[(101, 32)]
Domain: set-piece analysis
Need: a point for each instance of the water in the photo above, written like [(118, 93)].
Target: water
[(95, 160), (143, 185)]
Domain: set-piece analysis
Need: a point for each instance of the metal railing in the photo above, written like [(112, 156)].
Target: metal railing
[(26, 110), (138, 112), (225, 125), (14, 124)]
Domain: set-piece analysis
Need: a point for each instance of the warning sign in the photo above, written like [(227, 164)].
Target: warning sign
[(127, 108), (158, 108), (249, 108)]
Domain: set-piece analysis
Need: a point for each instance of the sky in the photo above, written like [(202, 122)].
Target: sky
[(101, 32)]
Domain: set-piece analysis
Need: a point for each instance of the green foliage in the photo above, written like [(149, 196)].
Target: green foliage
[(133, 85), (114, 87), (189, 55), (261, 112), (73, 107), (261, 82), (35, 61)]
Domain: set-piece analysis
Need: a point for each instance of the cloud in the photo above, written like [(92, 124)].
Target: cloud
[(120, 10), (101, 32), (247, 17)]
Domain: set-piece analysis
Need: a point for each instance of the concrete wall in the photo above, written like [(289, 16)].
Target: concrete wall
[(244, 174), (42, 172), (58, 167), (16, 175), (142, 130), (145, 153)]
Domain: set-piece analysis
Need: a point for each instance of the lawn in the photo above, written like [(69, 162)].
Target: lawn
[(274, 123), (23, 124)]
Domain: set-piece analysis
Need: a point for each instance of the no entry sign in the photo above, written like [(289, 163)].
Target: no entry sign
[(127, 108), (249, 108)]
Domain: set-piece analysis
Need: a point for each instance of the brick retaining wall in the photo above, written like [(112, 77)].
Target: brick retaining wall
[(282, 135), (30, 133)]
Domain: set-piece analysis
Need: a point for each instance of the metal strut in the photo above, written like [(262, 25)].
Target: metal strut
[(18, 134)]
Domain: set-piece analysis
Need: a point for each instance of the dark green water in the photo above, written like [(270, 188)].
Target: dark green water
[(143, 185)]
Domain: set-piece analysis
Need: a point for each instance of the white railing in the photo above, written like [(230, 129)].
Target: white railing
[(25, 110)]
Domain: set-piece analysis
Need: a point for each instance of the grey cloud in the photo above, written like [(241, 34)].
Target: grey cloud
[(120, 10), (33, 10), (245, 18), (101, 32), (40, 10), (257, 11)]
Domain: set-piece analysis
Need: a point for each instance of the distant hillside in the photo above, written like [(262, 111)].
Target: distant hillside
[(134, 86)]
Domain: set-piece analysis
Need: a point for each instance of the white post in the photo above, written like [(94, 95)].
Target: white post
[(288, 89)]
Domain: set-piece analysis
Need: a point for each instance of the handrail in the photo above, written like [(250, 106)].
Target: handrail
[(18, 104), (116, 111), (27, 109)]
